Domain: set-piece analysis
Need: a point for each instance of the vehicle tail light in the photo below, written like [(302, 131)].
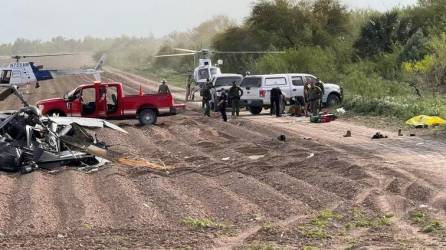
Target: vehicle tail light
[(262, 93)]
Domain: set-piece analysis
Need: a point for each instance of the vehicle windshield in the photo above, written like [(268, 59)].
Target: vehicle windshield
[(203, 74), (227, 81), (251, 82), (70, 94)]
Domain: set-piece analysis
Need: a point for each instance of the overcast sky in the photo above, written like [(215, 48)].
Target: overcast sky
[(44, 19)]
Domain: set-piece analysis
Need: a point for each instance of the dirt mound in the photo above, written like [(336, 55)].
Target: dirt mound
[(419, 192)]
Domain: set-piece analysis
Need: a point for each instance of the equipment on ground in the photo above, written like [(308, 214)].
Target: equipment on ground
[(206, 70), (425, 121)]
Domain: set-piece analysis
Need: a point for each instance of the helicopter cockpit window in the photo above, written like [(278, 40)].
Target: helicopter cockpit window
[(203, 74), (6, 76)]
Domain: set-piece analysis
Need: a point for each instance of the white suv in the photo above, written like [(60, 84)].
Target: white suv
[(257, 89)]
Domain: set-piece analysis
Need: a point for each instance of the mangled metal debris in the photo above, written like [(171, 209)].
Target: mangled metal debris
[(29, 141)]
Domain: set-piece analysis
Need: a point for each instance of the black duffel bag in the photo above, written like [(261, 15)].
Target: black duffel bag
[(10, 158)]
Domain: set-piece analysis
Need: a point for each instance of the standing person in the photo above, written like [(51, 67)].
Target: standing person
[(276, 98), (320, 84), (306, 98), (235, 92), (314, 96), (206, 97), (222, 105), (163, 89)]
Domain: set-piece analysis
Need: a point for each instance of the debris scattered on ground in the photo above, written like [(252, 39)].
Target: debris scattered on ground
[(378, 136), (323, 118), (141, 163), (348, 134), (308, 138), (400, 132), (412, 135), (281, 138), (226, 159), (29, 141), (310, 156), (341, 111), (256, 157)]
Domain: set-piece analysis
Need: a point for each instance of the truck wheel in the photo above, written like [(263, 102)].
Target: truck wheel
[(333, 100), (147, 117), (255, 110)]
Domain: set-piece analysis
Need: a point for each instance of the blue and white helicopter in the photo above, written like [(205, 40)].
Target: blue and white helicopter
[(21, 74)]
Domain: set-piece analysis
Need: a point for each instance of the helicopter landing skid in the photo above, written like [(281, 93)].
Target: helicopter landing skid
[(15, 89)]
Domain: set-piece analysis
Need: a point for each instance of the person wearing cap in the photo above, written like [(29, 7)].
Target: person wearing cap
[(235, 92), (163, 89)]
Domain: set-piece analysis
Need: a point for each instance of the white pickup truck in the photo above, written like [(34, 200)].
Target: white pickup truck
[(257, 89)]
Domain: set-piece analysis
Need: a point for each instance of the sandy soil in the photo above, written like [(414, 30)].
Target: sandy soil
[(257, 192)]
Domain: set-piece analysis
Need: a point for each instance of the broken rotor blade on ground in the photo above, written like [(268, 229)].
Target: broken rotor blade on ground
[(82, 141), (86, 122), (124, 160)]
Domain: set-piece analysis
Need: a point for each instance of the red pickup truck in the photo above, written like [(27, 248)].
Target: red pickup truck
[(107, 101)]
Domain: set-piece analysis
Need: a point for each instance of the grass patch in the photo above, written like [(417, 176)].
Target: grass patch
[(270, 228), (202, 223), (317, 228), (425, 222), (329, 225), (360, 219)]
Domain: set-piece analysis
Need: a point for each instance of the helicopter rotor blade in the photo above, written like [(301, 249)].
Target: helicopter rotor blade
[(249, 52), (186, 50), (43, 55), (174, 55)]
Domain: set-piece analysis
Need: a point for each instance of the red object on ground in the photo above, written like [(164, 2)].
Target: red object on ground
[(107, 101), (328, 118)]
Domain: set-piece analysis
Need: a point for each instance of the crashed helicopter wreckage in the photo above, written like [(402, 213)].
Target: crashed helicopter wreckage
[(29, 141)]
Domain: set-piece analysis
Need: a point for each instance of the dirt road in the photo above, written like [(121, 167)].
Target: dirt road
[(234, 185)]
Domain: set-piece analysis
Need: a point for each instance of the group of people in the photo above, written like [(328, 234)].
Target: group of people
[(233, 98), (309, 105)]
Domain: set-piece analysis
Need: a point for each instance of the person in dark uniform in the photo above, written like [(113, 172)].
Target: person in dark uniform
[(276, 98), (306, 98), (320, 84), (163, 89), (206, 95), (235, 92), (315, 96), (222, 105)]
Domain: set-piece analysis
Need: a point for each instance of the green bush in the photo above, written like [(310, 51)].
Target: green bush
[(314, 60)]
